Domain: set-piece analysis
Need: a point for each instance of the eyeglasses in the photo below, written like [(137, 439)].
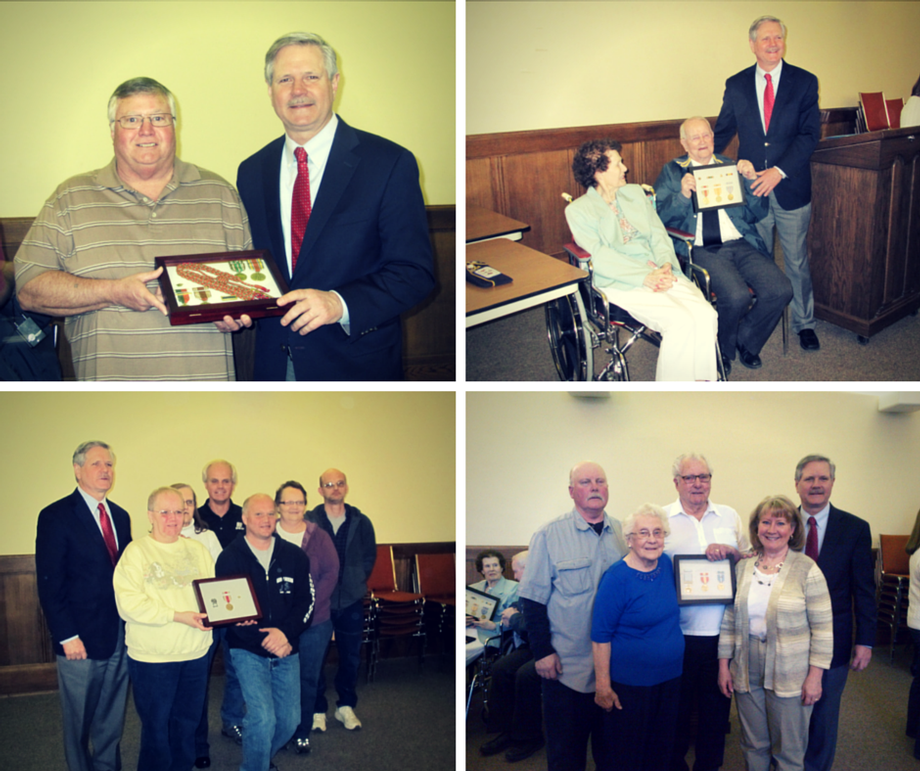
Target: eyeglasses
[(646, 534), (691, 478), (160, 120), (327, 485), (293, 503), (165, 513)]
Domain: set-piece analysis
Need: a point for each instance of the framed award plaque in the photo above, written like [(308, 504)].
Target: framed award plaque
[(480, 605), (227, 600), (701, 582), (718, 186), (206, 287)]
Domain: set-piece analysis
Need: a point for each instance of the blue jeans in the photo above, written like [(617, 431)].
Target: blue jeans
[(232, 708), (168, 699), (202, 746), (271, 688), (313, 644), (347, 623)]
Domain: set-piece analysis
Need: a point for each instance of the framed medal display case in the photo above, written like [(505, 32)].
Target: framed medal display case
[(701, 582), (227, 600), (718, 186), (201, 288)]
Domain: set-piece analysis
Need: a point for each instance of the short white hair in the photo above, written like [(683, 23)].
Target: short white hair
[(646, 510)]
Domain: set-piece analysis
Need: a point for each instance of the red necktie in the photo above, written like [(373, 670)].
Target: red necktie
[(300, 205), (811, 543), (767, 104), (108, 535)]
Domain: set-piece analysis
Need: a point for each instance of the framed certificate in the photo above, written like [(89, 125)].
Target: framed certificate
[(701, 582), (227, 600), (480, 605), (206, 287), (718, 186)]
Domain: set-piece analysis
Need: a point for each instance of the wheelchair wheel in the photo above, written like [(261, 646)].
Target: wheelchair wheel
[(565, 332)]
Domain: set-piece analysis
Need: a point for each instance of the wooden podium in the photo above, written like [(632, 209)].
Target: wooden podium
[(864, 237)]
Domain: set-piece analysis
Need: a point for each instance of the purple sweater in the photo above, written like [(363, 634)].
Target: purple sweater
[(324, 569)]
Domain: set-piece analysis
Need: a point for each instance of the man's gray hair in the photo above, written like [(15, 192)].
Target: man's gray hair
[(814, 459), (140, 86), (204, 471), (683, 126), (752, 32), (79, 455), (300, 39), (521, 557), (646, 510), (675, 468)]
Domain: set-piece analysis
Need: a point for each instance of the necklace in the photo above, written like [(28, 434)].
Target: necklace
[(759, 568)]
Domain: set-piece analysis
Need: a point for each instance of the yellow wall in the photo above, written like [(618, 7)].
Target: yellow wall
[(536, 65), (60, 62), (397, 449), (520, 448)]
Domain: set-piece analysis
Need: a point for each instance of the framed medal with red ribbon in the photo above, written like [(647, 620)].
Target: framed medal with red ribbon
[(701, 582), (201, 288), (227, 600)]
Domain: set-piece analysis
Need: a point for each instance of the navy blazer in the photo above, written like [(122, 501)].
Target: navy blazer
[(74, 574), (846, 561), (367, 239), (676, 211), (795, 128)]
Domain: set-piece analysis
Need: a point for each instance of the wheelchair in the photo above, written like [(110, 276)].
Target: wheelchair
[(578, 324)]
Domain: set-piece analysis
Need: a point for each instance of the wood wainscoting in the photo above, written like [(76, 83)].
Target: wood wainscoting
[(27, 661), (523, 174), (429, 340)]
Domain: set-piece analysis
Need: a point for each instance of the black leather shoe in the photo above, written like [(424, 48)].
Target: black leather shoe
[(726, 366), (748, 359), (809, 340), (203, 762), (496, 745), (522, 750)]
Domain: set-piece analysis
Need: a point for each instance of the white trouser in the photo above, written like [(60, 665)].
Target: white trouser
[(687, 323)]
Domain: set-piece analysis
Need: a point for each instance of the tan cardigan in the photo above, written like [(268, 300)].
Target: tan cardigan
[(799, 626)]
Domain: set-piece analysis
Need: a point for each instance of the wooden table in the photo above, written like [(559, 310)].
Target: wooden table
[(482, 225), (537, 279)]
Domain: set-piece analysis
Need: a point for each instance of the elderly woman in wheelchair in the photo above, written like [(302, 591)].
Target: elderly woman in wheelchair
[(635, 265)]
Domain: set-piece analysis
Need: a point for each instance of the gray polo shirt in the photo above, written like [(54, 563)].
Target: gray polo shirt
[(566, 561)]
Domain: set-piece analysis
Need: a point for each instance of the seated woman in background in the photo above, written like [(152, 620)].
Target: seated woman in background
[(776, 639), (635, 264), (639, 648), (491, 564), (913, 623)]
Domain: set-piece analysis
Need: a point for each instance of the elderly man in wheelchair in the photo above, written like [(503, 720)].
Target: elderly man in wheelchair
[(634, 268), (752, 291)]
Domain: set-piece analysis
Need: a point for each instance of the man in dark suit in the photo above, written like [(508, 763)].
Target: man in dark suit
[(773, 107), (80, 539), (351, 204), (727, 245), (843, 544)]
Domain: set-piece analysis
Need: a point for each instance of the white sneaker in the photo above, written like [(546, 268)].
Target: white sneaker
[(319, 721), (347, 716)]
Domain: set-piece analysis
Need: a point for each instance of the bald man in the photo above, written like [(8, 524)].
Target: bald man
[(353, 535), (567, 558)]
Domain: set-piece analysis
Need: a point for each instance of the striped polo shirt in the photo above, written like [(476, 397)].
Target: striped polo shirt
[(96, 227)]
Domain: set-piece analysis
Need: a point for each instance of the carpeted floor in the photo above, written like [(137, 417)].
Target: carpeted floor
[(871, 731), (408, 716), (516, 348)]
